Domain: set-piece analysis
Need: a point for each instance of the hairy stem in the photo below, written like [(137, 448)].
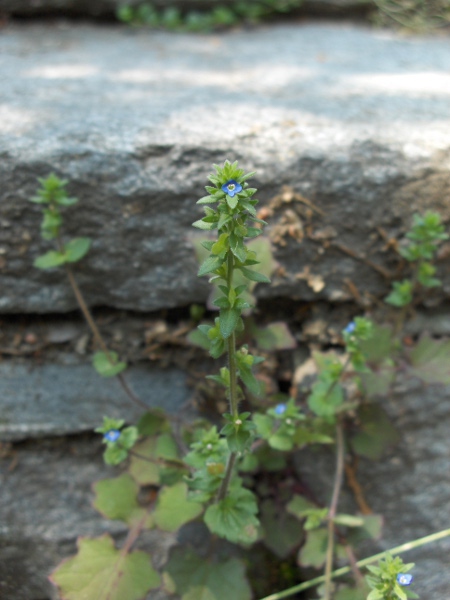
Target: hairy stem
[(233, 393), (226, 480), (333, 508)]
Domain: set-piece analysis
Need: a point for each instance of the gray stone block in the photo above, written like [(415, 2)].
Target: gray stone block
[(354, 120), (60, 399)]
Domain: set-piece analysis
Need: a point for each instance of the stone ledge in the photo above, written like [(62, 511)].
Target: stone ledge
[(354, 120)]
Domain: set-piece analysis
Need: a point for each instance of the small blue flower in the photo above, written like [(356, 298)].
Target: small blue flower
[(350, 327), (232, 187), (112, 435), (280, 409), (404, 578)]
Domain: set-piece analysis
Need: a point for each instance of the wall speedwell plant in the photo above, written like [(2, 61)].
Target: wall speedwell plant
[(222, 478)]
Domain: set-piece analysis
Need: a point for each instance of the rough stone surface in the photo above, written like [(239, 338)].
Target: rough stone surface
[(356, 120), (58, 399), (407, 487), (108, 8), (45, 505)]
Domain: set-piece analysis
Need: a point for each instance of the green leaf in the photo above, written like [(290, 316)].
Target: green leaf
[(325, 398), (313, 553), (250, 381), (348, 520), (228, 320), (173, 509), (76, 249), (116, 499), (50, 259), (233, 518), (275, 336), (197, 578), (211, 264), (108, 365), (201, 224), (232, 201), (401, 294), (430, 360), (150, 469), (264, 425), (376, 434), (282, 531), (101, 572), (379, 346), (371, 529), (152, 422), (254, 275), (298, 506)]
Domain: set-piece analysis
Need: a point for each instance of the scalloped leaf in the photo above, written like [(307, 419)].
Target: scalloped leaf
[(282, 531), (430, 360), (313, 553), (101, 572), (197, 578), (173, 508), (233, 518), (116, 499)]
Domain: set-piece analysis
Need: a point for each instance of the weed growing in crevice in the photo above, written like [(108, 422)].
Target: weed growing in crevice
[(237, 477)]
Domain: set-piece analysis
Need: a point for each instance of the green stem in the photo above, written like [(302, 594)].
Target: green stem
[(361, 563), (333, 508), (95, 330), (226, 480), (233, 393)]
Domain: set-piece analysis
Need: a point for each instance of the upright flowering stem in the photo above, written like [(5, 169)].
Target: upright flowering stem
[(233, 397), (231, 347)]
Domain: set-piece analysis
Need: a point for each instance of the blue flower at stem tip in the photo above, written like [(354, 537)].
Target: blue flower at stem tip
[(112, 435), (280, 409), (404, 578), (232, 187), (350, 327)]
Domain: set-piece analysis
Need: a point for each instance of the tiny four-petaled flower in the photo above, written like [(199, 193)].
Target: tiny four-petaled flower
[(350, 327), (280, 409), (404, 578), (112, 435), (232, 187)]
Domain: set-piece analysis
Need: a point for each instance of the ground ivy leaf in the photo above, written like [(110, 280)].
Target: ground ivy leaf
[(430, 360), (233, 518), (198, 579), (100, 572), (173, 509), (376, 432), (313, 553), (117, 499), (282, 531), (142, 471)]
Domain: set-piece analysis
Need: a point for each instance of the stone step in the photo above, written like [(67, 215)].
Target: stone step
[(349, 123), (43, 400)]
